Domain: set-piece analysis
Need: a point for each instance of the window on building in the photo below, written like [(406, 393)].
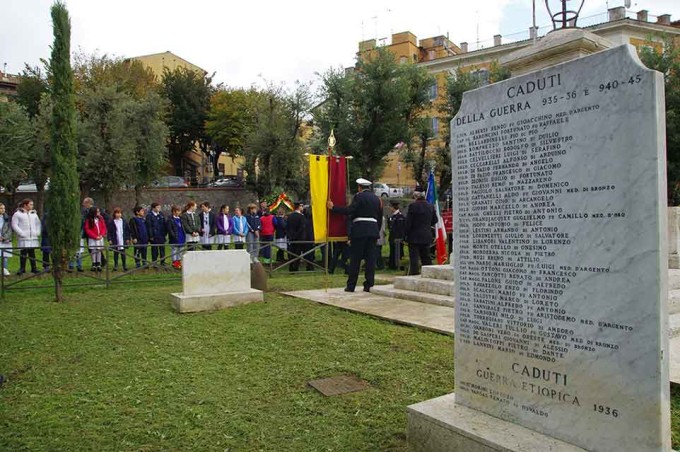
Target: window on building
[(433, 91), (482, 75), (431, 54), (403, 60), (220, 168), (434, 122)]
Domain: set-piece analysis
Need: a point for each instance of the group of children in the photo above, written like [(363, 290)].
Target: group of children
[(191, 227)]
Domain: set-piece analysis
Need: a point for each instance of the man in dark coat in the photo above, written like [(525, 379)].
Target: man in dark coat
[(156, 225), (420, 219), (296, 230), (396, 228), (365, 212)]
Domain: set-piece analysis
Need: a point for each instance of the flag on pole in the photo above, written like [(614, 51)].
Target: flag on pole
[(328, 181), (440, 231), (337, 173), (318, 194)]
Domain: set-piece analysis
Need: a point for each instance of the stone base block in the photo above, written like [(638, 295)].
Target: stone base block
[(213, 302), (439, 425), (444, 272)]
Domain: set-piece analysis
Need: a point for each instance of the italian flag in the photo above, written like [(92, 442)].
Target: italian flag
[(440, 231)]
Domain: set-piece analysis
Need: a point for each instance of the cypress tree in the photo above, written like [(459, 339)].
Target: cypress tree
[(63, 221)]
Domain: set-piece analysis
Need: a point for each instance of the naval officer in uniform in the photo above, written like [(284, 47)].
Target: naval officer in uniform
[(365, 213)]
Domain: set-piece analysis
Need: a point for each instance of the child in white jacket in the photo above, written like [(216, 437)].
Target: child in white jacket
[(26, 226)]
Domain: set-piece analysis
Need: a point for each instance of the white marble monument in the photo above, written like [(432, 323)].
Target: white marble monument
[(215, 280), (560, 260)]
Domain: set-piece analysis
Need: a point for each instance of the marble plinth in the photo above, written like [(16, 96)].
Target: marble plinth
[(213, 280), (213, 302), (440, 425)]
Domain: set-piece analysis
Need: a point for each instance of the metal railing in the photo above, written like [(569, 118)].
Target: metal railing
[(141, 260)]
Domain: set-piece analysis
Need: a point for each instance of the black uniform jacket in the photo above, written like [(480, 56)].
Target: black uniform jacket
[(364, 207), (419, 221), (296, 228)]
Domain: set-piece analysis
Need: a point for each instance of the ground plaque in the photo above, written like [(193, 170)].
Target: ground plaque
[(559, 183)]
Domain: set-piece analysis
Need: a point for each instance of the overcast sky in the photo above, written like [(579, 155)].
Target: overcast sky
[(278, 41)]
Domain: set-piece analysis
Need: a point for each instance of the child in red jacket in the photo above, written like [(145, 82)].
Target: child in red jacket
[(95, 229), (267, 235)]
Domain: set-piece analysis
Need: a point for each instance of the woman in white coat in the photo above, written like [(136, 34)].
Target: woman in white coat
[(26, 226)]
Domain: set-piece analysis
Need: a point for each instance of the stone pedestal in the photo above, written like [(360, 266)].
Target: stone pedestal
[(215, 280), (439, 425), (556, 47)]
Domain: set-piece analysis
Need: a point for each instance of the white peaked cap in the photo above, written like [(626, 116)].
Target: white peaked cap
[(364, 182)]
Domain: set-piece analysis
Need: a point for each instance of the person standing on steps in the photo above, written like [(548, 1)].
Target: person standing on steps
[(420, 219), (396, 228), (366, 214)]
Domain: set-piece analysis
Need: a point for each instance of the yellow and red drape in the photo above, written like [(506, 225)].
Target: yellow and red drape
[(328, 180)]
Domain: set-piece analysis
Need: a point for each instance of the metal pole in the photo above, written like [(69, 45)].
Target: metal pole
[(533, 7)]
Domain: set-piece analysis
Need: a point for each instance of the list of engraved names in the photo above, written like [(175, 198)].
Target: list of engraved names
[(520, 205)]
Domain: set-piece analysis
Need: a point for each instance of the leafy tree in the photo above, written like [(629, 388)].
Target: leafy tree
[(16, 135), (336, 113), (149, 134), (372, 109), (64, 218), (457, 84), (32, 85), (419, 83), (105, 145), (38, 156), (129, 76), (666, 60), (274, 150), (122, 96), (230, 120), (189, 94)]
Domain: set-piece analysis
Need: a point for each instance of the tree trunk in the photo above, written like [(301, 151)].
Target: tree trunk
[(58, 276), (138, 194), (216, 166), (107, 201)]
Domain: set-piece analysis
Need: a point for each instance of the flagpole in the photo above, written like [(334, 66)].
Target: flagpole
[(331, 145)]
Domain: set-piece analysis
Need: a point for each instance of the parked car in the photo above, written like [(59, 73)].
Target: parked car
[(227, 181), (29, 186), (169, 182), (385, 191)]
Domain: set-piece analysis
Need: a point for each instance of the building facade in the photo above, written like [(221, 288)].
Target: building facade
[(196, 165), (442, 58)]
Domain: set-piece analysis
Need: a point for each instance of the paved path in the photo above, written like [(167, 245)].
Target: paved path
[(426, 316)]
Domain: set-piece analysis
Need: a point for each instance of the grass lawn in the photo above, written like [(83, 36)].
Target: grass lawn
[(117, 369)]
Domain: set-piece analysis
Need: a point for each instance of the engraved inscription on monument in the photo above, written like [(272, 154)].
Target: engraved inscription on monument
[(559, 183)]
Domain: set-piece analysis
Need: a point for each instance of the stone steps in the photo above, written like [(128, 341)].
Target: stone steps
[(422, 297), (419, 284), (445, 272)]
